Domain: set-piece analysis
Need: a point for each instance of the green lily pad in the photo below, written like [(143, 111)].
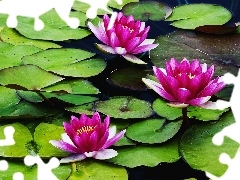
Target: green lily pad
[(62, 172), (114, 4), (11, 55), (27, 77), (153, 131), (30, 96), (221, 51), (97, 170), (162, 109), (43, 134), (190, 16), (225, 93), (26, 110), (147, 10), (8, 97), (125, 107), (85, 108), (198, 150), (21, 136), (11, 36), (147, 155), (71, 98), (204, 114), (77, 86), (122, 78), (54, 27)]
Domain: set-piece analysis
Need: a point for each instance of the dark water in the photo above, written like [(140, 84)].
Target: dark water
[(174, 171)]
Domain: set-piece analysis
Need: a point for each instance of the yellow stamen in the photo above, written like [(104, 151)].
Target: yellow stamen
[(85, 129), (126, 27), (191, 76)]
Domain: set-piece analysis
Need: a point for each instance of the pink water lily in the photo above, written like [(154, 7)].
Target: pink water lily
[(88, 137), (126, 37), (186, 83)]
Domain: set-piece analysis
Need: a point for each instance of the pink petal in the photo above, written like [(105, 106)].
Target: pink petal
[(120, 50), (114, 139), (90, 154), (132, 44), (142, 27), (105, 154), (114, 41), (93, 141), (130, 18), (215, 105), (183, 95), (103, 139), (112, 132), (144, 48), (133, 59), (184, 66), (64, 146), (194, 65), (147, 41), (69, 130), (158, 89), (100, 32), (199, 101), (106, 48), (67, 139), (73, 158)]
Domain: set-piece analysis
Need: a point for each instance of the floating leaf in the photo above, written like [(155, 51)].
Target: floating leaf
[(62, 172), (147, 155), (28, 76), (190, 16), (11, 36), (153, 131), (221, 51), (114, 4), (146, 10), (21, 136), (225, 93), (125, 107), (11, 55), (54, 27), (216, 29), (198, 150), (97, 170), (162, 109), (133, 80), (204, 114), (85, 108), (43, 134), (30, 96), (8, 97)]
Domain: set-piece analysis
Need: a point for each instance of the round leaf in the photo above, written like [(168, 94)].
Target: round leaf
[(21, 136), (146, 10), (8, 97), (153, 131), (54, 27), (125, 107), (147, 155), (28, 76), (11, 36), (97, 170), (190, 16), (30, 96), (199, 151), (162, 109)]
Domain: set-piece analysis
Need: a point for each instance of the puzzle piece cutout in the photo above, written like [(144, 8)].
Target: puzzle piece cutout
[(44, 170), (8, 133), (36, 8), (231, 131)]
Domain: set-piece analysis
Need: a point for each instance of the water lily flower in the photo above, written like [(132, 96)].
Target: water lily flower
[(126, 37), (88, 137), (186, 83)]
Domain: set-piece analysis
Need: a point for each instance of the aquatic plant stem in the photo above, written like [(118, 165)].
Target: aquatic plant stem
[(184, 115), (44, 98)]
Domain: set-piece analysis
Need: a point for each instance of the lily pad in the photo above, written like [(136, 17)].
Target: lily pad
[(97, 170), (11, 55), (43, 134), (162, 109), (147, 10), (27, 77), (21, 136), (153, 131), (147, 155), (133, 80), (11, 36), (30, 96), (221, 51), (54, 27), (190, 16), (62, 172), (225, 93), (85, 108), (125, 107), (8, 97), (198, 150), (204, 114)]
